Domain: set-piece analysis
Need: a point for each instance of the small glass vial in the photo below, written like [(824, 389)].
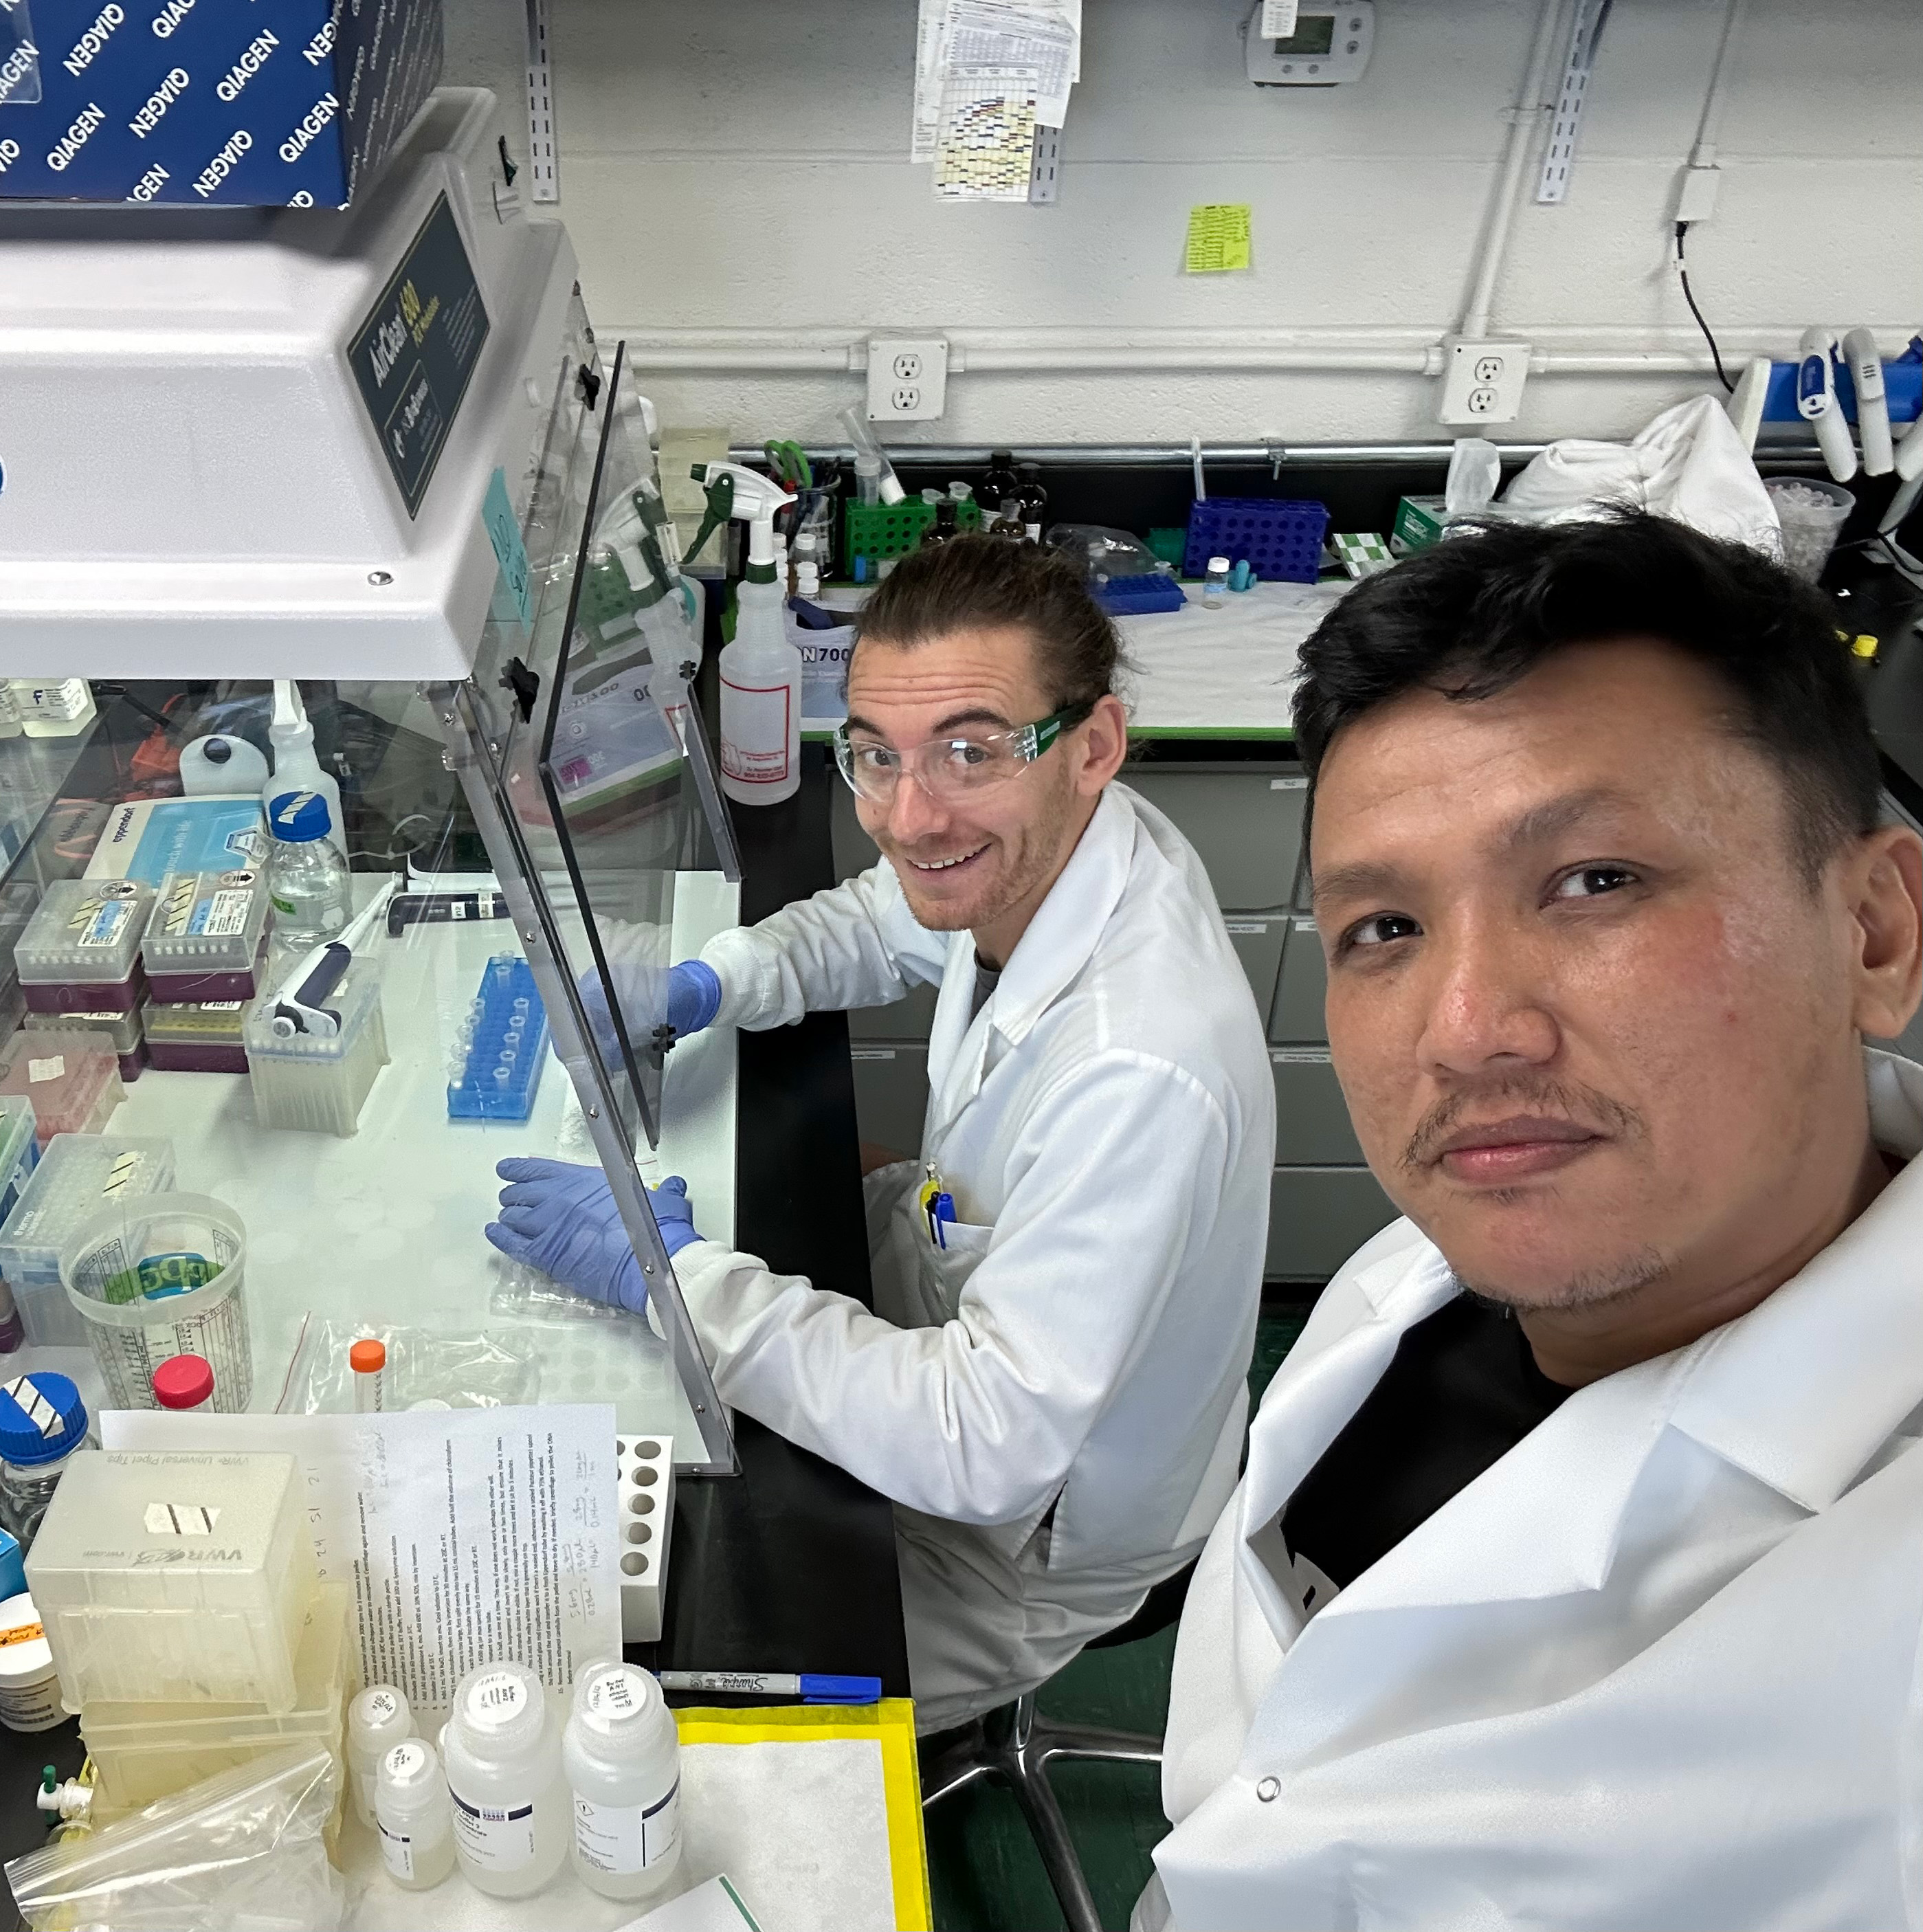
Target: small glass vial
[(367, 1360), (184, 1382), (623, 1761), (307, 877), (1008, 523), (502, 1745), (43, 1427), (1001, 482), (61, 707), (1215, 585), (944, 529), (377, 1721), (414, 1816)]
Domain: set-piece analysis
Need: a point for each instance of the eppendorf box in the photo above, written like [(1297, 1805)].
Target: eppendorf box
[(258, 102)]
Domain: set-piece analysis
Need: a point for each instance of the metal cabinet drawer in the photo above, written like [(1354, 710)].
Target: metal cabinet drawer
[(854, 851), (1246, 827), (1318, 1217), (891, 1094), (908, 1019), (1258, 938), (1312, 1123), (1297, 1017)]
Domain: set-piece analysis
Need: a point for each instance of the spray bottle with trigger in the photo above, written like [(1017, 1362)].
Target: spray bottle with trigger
[(761, 671)]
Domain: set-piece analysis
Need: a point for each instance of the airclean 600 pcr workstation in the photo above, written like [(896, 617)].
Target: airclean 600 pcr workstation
[(378, 453)]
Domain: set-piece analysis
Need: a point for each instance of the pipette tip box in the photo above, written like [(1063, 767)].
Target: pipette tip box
[(143, 1603), (73, 1178), (316, 1082), (80, 952), (145, 1751), (121, 1031), (73, 1079), (206, 936), (497, 1063), (197, 1036)]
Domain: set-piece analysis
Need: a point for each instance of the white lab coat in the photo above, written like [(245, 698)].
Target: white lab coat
[(1656, 1668), (1106, 1125)]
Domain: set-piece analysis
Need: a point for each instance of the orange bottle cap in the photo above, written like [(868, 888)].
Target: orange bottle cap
[(364, 1358)]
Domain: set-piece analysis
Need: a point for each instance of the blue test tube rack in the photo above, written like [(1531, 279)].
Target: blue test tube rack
[(502, 1047)]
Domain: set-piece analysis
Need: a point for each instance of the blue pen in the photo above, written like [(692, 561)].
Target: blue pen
[(941, 1211), (810, 1688)]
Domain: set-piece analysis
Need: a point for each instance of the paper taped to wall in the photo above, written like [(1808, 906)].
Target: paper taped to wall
[(467, 1535)]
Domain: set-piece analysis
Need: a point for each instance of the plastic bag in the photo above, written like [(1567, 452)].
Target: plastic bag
[(1102, 553), (243, 1852), (464, 1368), (524, 1293)]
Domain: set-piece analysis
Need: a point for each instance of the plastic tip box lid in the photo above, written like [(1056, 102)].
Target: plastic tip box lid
[(84, 930), (41, 1417)]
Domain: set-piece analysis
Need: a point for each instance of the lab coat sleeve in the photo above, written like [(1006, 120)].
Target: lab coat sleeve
[(856, 945), (1120, 1169)]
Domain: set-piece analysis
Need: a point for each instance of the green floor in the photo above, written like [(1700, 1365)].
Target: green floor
[(982, 1865)]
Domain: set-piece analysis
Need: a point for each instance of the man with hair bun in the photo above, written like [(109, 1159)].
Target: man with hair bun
[(1051, 1387)]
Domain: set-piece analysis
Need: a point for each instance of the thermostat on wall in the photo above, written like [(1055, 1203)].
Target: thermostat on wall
[(1330, 44)]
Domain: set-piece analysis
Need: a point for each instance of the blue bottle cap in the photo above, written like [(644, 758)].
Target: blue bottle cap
[(298, 817), (41, 1417)]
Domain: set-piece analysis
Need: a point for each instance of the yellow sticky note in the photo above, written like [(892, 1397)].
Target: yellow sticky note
[(1218, 237)]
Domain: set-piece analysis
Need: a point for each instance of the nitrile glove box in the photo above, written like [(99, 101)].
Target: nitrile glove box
[(254, 103)]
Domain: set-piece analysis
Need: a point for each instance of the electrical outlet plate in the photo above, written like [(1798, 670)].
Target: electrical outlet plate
[(1482, 382), (908, 377)]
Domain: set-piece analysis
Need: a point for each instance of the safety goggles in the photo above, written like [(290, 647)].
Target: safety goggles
[(957, 766)]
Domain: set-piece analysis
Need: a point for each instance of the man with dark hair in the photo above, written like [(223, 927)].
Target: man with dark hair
[(1051, 1387), (1576, 1576)]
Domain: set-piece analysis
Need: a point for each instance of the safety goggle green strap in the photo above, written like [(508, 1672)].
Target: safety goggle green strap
[(1030, 740)]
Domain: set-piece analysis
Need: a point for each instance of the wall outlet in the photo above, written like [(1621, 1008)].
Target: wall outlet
[(908, 377), (1482, 382)]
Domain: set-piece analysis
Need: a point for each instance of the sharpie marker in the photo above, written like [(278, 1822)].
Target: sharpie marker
[(805, 1685)]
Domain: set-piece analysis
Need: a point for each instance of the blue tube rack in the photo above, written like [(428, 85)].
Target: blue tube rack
[(503, 1048)]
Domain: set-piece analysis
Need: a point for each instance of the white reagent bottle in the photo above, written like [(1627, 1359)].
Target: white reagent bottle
[(502, 1747), (623, 1761), (414, 1816), (760, 670), (377, 1721)]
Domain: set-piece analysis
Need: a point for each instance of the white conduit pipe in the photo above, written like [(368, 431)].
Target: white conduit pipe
[(1525, 119), (1703, 155)]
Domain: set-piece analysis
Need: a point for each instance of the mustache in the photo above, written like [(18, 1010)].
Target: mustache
[(1520, 1093)]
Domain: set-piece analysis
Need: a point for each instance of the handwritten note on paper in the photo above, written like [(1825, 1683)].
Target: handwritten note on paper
[(1218, 237), (467, 1535)]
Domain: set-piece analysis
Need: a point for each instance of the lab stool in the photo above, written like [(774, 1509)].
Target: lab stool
[(1016, 1743)]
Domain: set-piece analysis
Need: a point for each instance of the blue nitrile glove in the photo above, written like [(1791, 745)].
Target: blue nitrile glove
[(561, 1219), (694, 998)]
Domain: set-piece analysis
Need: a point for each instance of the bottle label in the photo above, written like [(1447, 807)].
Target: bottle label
[(754, 732), (497, 1697), (1034, 532), (622, 1839), (396, 1853), (494, 1838), (380, 1708)]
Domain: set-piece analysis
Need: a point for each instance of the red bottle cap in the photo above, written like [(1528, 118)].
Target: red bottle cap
[(183, 1381)]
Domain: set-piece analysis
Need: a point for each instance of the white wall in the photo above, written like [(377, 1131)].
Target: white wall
[(732, 173)]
